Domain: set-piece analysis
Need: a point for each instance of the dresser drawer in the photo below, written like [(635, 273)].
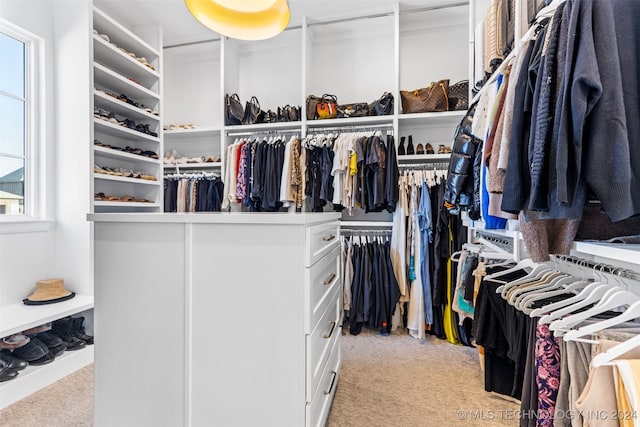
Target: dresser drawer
[(317, 411), (320, 343), (321, 282), (321, 239)]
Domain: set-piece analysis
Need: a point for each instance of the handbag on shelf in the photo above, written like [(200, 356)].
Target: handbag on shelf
[(234, 112), (358, 109), (459, 95), (433, 98), (288, 114), (267, 117), (327, 108), (251, 111), (382, 106), (323, 107)]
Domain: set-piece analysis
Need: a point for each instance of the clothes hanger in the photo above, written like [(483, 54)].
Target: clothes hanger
[(511, 293), (606, 358), (526, 263), (631, 313), (552, 283), (535, 274), (613, 298)]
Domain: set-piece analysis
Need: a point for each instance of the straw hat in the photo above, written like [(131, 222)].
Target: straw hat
[(48, 291)]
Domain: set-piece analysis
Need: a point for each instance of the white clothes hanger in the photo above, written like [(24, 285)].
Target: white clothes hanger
[(590, 294), (514, 292), (613, 298), (526, 263), (607, 357), (535, 274), (631, 313), (530, 299), (552, 283)]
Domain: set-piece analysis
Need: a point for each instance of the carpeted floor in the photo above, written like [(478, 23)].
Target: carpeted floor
[(385, 381)]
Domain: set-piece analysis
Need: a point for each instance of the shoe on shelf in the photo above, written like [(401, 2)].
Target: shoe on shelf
[(14, 341), (9, 361), (443, 149), (7, 374), (63, 329), (429, 149), (410, 149), (420, 149), (401, 150), (32, 351), (77, 328)]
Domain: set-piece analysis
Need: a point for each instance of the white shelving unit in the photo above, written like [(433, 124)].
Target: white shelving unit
[(18, 317), (118, 73)]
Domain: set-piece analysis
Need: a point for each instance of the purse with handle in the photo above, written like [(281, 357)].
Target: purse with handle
[(433, 98), (327, 108), (251, 111), (234, 113)]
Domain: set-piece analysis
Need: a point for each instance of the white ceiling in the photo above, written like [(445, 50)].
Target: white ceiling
[(178, 26)]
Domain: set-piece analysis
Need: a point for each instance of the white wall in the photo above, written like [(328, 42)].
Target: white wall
[(28, 257)]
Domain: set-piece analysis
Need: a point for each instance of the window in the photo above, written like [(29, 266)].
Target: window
[(18, 126)]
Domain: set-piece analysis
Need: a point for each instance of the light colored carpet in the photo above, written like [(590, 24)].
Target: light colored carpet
[(385, 381), (65, 403)]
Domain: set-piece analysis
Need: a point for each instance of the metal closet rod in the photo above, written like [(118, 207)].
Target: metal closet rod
[(264, 132), (336, 21), (347, 128)]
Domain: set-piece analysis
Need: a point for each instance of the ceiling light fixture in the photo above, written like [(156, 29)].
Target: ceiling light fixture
[(242, 19)]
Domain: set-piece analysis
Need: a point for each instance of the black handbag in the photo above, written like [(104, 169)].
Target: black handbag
[(267, 117), (383, 106), (234, 112), (251, 111)]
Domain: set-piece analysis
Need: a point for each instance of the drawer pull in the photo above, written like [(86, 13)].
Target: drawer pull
[(330, 279), (333, 326), (333, 380), (329, 238)]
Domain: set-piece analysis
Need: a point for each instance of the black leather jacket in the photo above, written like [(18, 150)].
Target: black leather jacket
[(463, 179)]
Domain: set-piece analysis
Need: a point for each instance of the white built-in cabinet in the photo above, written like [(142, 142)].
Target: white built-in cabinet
[(117, 147), (232, 319)]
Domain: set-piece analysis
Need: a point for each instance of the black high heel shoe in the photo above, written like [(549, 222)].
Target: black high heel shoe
[(401, 151)]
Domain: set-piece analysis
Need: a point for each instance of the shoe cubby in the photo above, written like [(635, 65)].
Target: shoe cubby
[(127, 122)]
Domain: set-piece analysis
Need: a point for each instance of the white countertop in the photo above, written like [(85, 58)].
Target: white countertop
[(265, 218)]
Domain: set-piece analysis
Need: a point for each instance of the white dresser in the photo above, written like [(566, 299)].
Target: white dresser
[(226, 320)]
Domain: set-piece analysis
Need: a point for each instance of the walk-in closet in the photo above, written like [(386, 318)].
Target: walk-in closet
[(298, 213)]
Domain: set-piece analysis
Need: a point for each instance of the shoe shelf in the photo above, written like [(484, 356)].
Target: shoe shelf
[(121, 108), (351, 121), (121, 131), (113, 82), (18, 317), (36, 377), (121, 36), (126, 204), (193, 133), (207, 165), (421, 117), (116, 154), (105, 53), (117, 178)]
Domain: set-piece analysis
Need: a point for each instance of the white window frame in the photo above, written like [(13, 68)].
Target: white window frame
[(34, 217)]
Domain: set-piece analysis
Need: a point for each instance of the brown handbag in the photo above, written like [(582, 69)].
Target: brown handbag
[(433, 98)]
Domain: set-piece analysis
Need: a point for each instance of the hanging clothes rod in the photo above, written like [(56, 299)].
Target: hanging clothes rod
[(264, 132), (365, 224), (347, 128), (598, 266), (425, 165)]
